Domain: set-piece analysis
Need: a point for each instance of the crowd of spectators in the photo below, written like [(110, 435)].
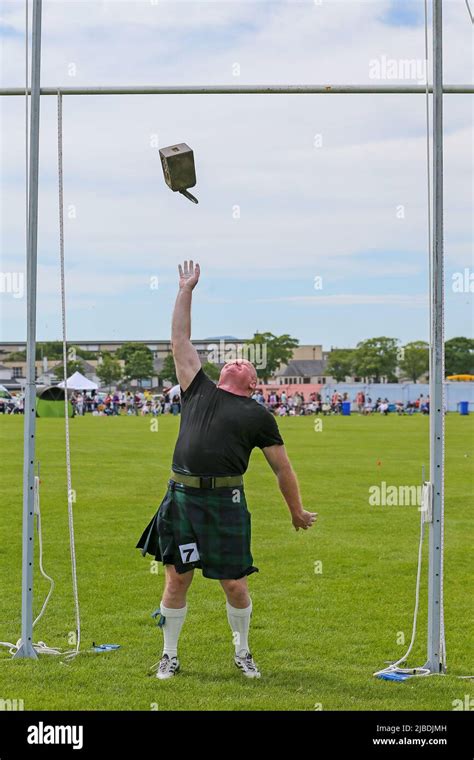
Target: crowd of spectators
[(125, 402), (282, 404), (13, 405), (287, 404)]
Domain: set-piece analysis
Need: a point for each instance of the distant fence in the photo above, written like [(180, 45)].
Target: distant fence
[(405, 392)]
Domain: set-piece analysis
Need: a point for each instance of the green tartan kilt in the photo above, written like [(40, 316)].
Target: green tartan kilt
[(206, 528)]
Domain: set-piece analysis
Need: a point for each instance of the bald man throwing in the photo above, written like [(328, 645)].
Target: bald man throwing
[(203, 521)]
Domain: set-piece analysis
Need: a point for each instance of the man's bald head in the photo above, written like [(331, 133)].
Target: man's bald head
[(238, 377)]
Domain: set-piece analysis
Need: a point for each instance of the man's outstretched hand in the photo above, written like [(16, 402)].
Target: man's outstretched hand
[(188, 275), (304, 519)]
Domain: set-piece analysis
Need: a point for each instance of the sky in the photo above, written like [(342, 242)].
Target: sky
[(312, 215)]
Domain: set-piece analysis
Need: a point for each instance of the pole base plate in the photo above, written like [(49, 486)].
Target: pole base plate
[(26, 651)]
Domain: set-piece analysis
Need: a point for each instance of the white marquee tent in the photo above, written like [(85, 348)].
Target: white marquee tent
[(78, 382)]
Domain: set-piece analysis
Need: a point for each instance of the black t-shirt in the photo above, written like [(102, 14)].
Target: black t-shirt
[(219, 430)]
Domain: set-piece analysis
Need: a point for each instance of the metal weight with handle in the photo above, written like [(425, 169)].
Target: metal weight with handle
[(178, 169)]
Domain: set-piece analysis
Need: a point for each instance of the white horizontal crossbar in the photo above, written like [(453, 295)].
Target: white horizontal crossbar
[(250, 89)]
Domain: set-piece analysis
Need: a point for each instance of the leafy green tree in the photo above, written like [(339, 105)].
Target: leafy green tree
[(272, 351), (168, 371), (125, 352), (52, 349), (340, 364), (72, 366), (459, 356), (415, 359), (211, 370), (139, 365), (109, 370), (83, 353), (376, 358), (138, 361)]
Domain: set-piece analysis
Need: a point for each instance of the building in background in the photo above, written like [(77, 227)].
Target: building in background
[(306, 367)]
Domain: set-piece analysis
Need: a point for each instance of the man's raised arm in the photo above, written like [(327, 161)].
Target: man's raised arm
[(185, 356)]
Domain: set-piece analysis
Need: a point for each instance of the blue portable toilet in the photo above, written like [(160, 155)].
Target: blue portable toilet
[(464, 407)]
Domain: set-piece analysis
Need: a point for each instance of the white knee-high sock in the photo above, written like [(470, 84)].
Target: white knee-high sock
[(239, 621), (174, 620)]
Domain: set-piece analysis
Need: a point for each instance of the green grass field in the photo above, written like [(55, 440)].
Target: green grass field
[(317, 636)]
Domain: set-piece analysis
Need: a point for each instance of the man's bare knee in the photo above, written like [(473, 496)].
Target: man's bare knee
[(236, 592), (176, 586)]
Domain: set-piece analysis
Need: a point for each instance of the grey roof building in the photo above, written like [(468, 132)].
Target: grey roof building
[(305, 370)]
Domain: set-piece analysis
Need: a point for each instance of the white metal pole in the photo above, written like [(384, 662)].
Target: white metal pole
[(26, 648), (434, 662), (249, 89)]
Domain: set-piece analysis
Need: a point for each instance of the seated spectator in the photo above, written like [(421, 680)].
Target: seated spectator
[(368, 407)]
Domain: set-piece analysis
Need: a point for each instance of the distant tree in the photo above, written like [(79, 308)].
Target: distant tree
[(125, 352), (211, 370), (139, 366), (72, 366), (168, 371), (52, 349), (415, 359), (274, 350), (138, 361), (340, 363), (16, 356), (376, 358), (459, 356), (109, 370), (85, 354)]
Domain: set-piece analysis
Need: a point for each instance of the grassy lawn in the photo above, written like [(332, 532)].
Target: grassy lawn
[(317, 636)]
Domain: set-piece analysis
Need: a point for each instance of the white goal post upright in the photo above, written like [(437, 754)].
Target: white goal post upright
[(26, 648), (435, 662), (436, 655)]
